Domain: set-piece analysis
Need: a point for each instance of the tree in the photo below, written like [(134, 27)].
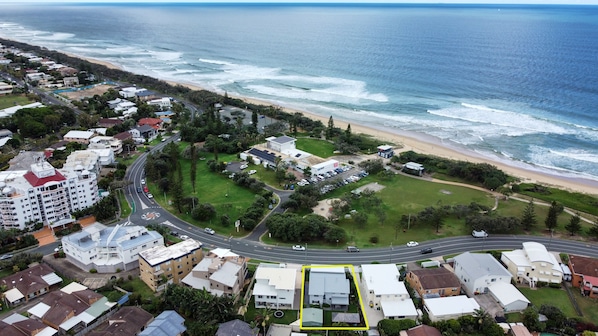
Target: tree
[(593, 230), (551, 218), (530, 319), (254, 120), (381, 214), (528, 220), (360, 218), (193, 169), (330, 129), (574, 225)]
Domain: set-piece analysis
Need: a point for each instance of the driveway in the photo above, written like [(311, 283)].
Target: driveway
[(487, 302)]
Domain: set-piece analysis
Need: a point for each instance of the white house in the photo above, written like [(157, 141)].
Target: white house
[(108, 249), (276, 286), (106, 156), (44, 194), (221, 272), (509, 297), (163, 103), (81, 137), (450, 307), (130, 92), (101, 142), (384, 290), (328, 285), (533, 263), (477, 271), (282, 144), (5, 88)]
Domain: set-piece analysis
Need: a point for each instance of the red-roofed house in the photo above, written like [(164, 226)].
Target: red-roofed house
[(590, 286), (155, 123), (109, 122), (584, 274)]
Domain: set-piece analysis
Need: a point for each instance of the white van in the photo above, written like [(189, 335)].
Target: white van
[(479, 234)]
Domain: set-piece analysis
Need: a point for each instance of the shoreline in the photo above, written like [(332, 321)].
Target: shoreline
[(416, 142)]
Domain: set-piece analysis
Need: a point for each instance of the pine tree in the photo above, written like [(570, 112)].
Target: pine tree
[(193, 170), (551, 218), (330, 129), (529, 216), (574, 225), (593, 231)]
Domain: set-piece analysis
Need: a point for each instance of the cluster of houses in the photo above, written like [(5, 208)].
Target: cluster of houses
[(447, 291)]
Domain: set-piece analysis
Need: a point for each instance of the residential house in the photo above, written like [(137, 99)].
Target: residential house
[(143, 133), (434, 282), (70, 81), (421, 330), (71, 309), (109, 122), (277, 286), (237, 328), (101, 142), (19, 325), (533, 263), (29, 284), (81, 137), (584, 274), (168, 323), (281, 144), (160, 266), (221, 272), (450, 307), (155, 123), (145, 95), (129, 92), (385, 291), (165, 116), (163, 103), (124, 106), (109, 249), (122, 136), (519, 329), (509, 297), (44, 194), (105, 155), (328, 285), (477, 271), (68, 71), (128, 320), (5, 88)]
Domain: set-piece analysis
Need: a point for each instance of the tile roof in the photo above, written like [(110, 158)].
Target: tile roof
[(30, 280), (36, 181), (437, 278), (583, 265)]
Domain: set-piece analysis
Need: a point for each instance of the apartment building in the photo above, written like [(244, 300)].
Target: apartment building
[(103, 142), (221, 272)]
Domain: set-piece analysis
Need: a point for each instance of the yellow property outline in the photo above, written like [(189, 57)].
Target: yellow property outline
[(352, 270)]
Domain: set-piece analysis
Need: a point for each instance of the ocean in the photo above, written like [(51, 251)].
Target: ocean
[(517, 84)]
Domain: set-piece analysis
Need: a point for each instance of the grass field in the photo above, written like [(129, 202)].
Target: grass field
[(316, 147), (13, 100), (588, 306), (125, 209), (550, 296), (582, 202)]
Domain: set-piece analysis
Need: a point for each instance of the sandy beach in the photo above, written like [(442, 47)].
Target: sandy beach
[(420, 145)]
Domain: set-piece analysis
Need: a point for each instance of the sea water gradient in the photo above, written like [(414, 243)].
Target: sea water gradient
[(515, 83)]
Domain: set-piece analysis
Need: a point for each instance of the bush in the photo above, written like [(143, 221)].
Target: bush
[(554, 285), (118, 270), (93, 270), (374, 239)]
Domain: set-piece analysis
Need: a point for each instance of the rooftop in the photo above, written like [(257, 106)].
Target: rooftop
[(583, 265), (481, 264), (383, 279), (433, 278), (159, 254)]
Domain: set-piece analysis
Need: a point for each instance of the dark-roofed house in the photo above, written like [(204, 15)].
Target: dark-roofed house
[(423, 330), (129, 320), (584, 274), (262, 156), (434, 282), (168, 323), (109, 122), (122, 136), (145, 95), (26, 327), (143, 133), (237, 328), (29, 284)]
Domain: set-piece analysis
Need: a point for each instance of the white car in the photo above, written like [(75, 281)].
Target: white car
[(142, 181), (412, 243), (58, 249), (298, 248), (150, 196), (251, 172), (184, 237), (209, 231), (244, 166)]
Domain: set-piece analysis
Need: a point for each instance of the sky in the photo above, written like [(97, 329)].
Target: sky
[(539, 2)]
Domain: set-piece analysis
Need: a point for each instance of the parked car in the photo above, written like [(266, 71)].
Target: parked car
[(6, 256), (298, 248), (142, 181), (184, 237), (58, 249), (243, 166), (139, 189), (412, 243), (145, 189), (426, 250), (479, 234), (352, 249), (209, 231), (150, 196)]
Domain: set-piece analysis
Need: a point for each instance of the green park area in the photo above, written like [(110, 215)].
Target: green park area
[(13, 100), (323, 149)]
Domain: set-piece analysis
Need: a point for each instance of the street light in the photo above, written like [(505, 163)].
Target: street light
[(390, 254)]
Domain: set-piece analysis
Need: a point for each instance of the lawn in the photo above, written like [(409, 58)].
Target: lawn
[(216, 189), (317, 147), (13, 100), (289, 317), (136, 285), (550, 296), (588, 306), (125, 209), (578, 201)]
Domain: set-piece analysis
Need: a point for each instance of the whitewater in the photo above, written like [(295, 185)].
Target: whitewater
[(516, 84)]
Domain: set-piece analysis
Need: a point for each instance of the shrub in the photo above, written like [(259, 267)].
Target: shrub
[(93, 270), (374, 239), (118, 270)]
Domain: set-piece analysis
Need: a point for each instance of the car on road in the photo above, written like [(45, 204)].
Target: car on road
[(139, 189), (352, 249), (174, 233), (184, 237), (150, 196), (479, 234), (142, 181), (6, 256), (426, 250), (145, 189), (209, 231), (298, 248), (412, 243)]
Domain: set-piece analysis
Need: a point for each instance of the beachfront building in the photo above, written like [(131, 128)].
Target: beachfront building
[(44, 194), (450, 308), (384, 291), (277, 286), (130, 92), (163, 103), (413, 168), (385, 151), (281, 144), (532, 263), (584, 274), (109, 249), (477, 271), (160, 266), (29, 284), (434, 282), (82, 137), (328, 285), (221, 272)]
